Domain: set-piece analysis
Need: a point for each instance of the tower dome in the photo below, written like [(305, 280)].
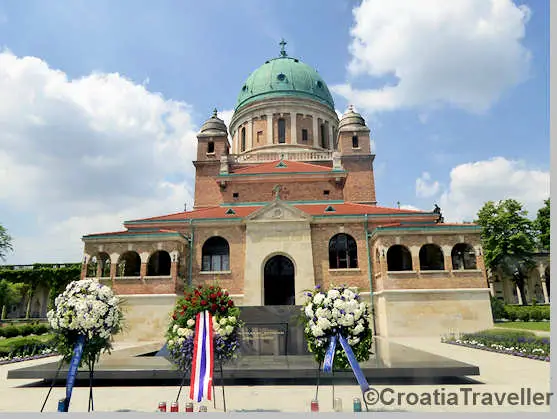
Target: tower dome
[(214, 125), (284, 77), (352, 120)]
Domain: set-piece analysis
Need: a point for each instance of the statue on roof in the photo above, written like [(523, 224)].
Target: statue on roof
[(276, 191), (282, 44)]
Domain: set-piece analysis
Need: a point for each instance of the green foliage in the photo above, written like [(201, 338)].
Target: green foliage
[(525, 313), (497, 309), (507, 334), (508, 240), (24, 346), (5, 243), (543, 226), (10, 294), (543, 326), (56, 279), (24, 330)]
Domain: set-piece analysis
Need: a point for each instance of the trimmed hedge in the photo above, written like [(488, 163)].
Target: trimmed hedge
[(527, 313), (25, 346), (536, 313), (24, 330)]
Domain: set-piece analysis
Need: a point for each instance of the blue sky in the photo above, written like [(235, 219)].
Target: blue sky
[(468, 121)]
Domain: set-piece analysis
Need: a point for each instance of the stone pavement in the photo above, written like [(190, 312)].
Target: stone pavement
[(499, 373)]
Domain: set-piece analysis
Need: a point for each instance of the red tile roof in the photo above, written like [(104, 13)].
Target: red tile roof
[(289, 167), (132, 231), (347, 208)]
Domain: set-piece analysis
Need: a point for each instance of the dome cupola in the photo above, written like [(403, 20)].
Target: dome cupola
[(284, 76), (214, 125)]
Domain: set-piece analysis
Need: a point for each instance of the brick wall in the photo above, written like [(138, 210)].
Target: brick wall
[(360, 182)]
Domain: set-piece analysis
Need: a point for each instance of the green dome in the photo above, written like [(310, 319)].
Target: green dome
[(284, 77)]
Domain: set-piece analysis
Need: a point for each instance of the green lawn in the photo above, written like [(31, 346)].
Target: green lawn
[(543, 326)]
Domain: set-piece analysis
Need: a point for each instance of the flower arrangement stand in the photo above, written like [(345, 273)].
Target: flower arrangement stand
[(53, 383)]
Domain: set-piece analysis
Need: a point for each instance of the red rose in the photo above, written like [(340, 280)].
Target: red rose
[(174, 316), (188, 298), (213, 296), (226, 293), (219, 294), (203, 302), (214, 307), (230, 303), (223, 309), (182, 312)]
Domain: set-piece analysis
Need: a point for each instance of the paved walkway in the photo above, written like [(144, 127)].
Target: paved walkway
[(499, 373)]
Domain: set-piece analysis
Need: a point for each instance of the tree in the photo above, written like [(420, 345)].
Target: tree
[(5, 243), (10, 294), (508, 240), (543, 225)]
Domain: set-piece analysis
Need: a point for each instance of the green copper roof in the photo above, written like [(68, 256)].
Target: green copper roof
[(284, 77)]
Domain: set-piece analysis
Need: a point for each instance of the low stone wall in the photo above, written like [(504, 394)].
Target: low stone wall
[(404, 313), (146, 317)]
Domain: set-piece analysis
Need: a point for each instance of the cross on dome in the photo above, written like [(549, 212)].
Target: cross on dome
[(282, 44)]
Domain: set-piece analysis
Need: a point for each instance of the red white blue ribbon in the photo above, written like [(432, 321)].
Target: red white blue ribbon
[(201, 380)]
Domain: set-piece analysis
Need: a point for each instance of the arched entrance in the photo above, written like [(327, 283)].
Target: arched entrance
[(278, 282)]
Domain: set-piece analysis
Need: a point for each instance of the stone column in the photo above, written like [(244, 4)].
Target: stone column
[(84, 267), (315, 131), (519, 295), (113, 267), (99, 268), (331, 141), (293, 129), (269, 128), (143, 270), (249, 135), (541, 270)]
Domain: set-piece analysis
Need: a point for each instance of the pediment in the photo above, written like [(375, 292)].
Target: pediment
[(277, 211)]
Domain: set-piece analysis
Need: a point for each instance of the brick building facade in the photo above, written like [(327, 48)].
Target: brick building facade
[(287, 204)]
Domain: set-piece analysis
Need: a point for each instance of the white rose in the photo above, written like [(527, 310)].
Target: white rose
[(316, 331), (231, 319), (175, 328), (191, 323), (188, 333), (335, 313), (323, 323), (223, 321), (318, 298), (309, 310), (353, 341), (348, 294), (358, 329), (326, 301), (229, 329), (333, 294), (181, 341), (170, 342)]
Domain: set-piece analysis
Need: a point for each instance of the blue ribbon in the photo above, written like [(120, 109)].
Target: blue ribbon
[(72, 371), (329, 357)]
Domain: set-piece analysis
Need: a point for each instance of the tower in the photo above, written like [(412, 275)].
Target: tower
[(212, 158), (354, 146)]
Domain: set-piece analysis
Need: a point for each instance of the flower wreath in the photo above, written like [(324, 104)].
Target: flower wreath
[(338, 310), (226, 323), (86, 308)]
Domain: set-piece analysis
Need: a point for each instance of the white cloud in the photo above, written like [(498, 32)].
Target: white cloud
[(464, 53), (473, 184), (226, 116), (86, 154), (425, 188), (412, 208)]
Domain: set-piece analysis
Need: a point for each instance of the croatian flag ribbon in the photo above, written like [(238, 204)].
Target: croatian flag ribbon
[(202, 364), (329, 358), (72, 370)]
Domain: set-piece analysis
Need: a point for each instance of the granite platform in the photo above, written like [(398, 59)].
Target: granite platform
[(140, 366)]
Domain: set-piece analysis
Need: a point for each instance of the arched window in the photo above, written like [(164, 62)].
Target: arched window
[(129, 264), (463, 257), (431, 258), (281, 131), (399, 258), (343, 252), (159, 264), (243, 140), (215, 255), (104, 260)]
